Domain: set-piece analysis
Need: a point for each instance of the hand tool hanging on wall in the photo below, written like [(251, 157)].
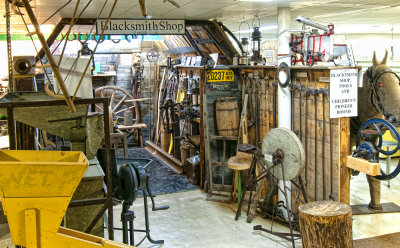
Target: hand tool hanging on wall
[(263, 105), (157, 107), (250, 89), (243, 77), (307, 93), (275, 86), (257, 106), (314, 92), (331, 196), (169, 110), (324, 93), (299, 87)]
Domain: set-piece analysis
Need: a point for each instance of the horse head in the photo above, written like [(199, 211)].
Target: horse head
[(380, 94)]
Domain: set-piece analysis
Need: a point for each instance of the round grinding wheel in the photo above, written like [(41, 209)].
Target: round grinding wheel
[(294, 159)]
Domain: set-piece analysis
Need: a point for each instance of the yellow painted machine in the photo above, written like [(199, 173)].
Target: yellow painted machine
[(36, 188)]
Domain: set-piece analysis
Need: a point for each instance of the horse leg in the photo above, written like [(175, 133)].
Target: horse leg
[(375, 193)]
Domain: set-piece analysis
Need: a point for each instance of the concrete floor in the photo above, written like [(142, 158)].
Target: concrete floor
[(375, 224), (194, 222)]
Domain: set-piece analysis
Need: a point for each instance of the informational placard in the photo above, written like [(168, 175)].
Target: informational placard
[(343, 93), (141, 26), (220, 76)]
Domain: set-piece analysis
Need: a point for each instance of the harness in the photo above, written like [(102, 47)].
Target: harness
[(372, 82)]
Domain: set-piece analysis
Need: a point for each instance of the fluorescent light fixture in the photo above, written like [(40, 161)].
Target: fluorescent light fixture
[(45, 29), (256, 1), (261, 29)]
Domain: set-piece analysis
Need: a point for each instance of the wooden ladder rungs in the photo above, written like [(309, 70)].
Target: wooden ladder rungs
[(43, 66)]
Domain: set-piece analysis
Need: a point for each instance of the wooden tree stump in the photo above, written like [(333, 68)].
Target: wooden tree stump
[(326, 224)]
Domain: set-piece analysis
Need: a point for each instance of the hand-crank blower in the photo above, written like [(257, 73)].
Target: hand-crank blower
[(365, 158)]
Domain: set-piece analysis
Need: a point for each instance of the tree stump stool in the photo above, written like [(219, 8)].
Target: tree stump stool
[(326, 224)]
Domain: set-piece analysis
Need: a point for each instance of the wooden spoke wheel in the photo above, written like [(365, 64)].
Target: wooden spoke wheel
[(123, 109)]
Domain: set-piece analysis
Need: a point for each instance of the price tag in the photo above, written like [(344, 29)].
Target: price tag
[(220, 76)]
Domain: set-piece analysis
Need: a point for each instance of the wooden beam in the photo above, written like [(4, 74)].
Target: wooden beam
[(53, 36), (80, 21), (364, 166), (344, 174)]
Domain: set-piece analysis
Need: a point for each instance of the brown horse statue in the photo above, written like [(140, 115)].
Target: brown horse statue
[(379, 97)]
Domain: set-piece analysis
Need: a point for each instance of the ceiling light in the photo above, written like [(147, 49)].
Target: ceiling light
[(45, 29), (256, 1)]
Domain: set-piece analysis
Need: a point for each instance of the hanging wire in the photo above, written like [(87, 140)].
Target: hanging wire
[(87, 38), (68, 32), (95, 48), (248, 25), (34, 45), (252, 22), (56, 12)]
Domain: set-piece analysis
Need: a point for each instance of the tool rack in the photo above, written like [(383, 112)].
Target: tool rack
[(326, 175)]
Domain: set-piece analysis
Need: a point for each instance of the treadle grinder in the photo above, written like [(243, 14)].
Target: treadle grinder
[(365, 158)]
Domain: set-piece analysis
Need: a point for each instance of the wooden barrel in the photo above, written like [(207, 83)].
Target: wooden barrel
[(227, 116), (326, 224)]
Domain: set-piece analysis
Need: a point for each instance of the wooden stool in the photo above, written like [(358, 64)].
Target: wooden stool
[(326, 224), (241, 161)]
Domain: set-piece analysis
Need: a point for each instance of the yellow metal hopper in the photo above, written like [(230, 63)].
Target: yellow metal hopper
[(35, 189)]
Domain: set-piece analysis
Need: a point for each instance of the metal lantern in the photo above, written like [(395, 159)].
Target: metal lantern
[(245, 42), (256, 38)]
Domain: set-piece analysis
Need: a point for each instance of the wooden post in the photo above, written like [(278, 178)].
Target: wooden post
[(326, 224), (345, 174)]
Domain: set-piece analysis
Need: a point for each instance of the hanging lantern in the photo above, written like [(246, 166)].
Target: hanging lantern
[(256, 38), (243, 60), (245, 42)]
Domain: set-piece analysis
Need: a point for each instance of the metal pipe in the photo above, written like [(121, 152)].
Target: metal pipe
[(315, 93), (323, 143), (284, 94), (49, 56), (9, 54), (107, 142), (311, 23), (306, 136), (99, 214), (87, 202), (11, 127), (232, 35), (71, 24)]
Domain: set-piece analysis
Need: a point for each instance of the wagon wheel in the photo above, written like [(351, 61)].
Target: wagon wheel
[(120, 103)]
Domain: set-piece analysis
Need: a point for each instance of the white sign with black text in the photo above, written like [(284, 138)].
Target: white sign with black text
[(343, 93), (140, 26)]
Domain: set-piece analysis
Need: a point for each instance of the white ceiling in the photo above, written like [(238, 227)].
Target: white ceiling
[(348, 16)]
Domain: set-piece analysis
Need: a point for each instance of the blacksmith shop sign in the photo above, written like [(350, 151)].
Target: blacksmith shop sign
[(141, 26), (343, 93)]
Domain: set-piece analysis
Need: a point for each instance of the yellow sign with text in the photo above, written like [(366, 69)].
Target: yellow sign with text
[(220, 76)]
